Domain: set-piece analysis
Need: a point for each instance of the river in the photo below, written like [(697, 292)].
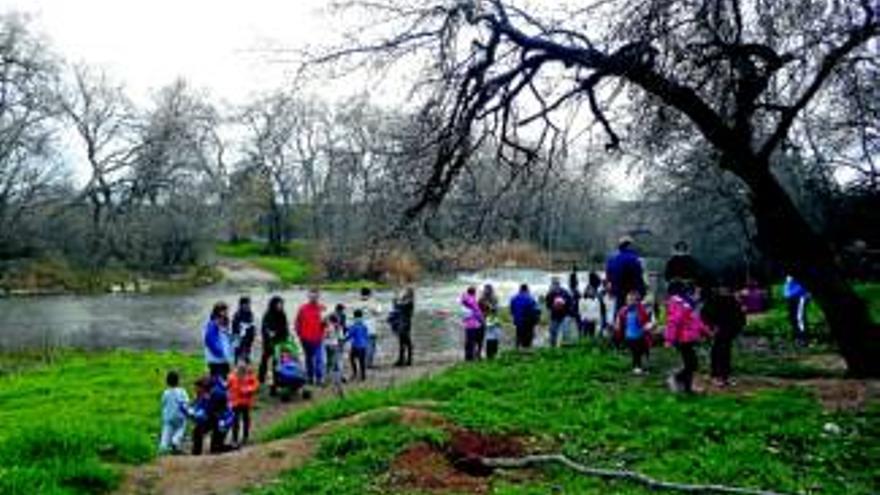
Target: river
[(174, 322)]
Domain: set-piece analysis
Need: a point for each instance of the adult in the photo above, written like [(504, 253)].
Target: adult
[(218, 346), (624, 273), (526, 313), (559, 302), (488, 302), (472, 322), (310, 329), (404, 306), (797, 298), (274, 329), (243, 331), (682, 266)]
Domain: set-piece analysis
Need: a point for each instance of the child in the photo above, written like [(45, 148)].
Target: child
[(591, 310), (684, 329), (359, 336), (724, 314), (334, 343), (493, 336), (607, 302), (243, 330), (370, 309), (633, 324), (243, 386), (174, 401), (288, 374), (211, 414)]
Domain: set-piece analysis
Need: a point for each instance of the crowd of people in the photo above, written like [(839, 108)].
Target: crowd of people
[(311, 350)]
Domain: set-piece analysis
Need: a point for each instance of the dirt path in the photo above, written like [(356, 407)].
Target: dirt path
[(241, 272), (260, 463)]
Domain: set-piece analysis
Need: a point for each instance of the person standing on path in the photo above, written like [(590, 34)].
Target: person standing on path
[(526, 313), (724, 314), (559, 303), (310, 329), (404, 307), (488, 303), (682, 267), (624, 272), (217, 343), (243, 330), (274, 329), (371, 311)]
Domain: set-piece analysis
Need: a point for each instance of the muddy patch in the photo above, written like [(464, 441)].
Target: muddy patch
[(835, 394), (454, 467)]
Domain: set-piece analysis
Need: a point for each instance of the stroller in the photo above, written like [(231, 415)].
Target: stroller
[(288, 378)]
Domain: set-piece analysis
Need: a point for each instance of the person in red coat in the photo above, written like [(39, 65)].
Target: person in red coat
[(309, 326)]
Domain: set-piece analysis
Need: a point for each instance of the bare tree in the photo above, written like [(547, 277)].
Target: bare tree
[(740, 74)]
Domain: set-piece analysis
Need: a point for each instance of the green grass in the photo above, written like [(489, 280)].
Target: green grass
[(67, 425), (294, 266), (584, 402), (774, 322)]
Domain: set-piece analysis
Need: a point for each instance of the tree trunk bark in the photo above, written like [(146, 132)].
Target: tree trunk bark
[(786, 237)]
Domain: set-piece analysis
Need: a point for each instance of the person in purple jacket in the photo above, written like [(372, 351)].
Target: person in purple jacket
[(218, 346), (472, 321)]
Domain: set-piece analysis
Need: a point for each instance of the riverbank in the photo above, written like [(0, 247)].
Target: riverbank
[(792, 424)]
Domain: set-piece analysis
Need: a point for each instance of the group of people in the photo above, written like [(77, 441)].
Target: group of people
[(615, 308), (310, 351)]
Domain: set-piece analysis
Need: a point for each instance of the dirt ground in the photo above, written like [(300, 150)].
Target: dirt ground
[(261, 463)]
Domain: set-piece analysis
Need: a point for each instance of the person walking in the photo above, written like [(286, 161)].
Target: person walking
[(724, 314), (526, 313), (797, 298), (274, 329), (684, 330), (682, 267), (401, 324), (309, 326), (559, 303), (217, 344)]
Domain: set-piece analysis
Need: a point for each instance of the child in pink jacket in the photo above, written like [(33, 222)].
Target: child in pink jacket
[(684, 330)]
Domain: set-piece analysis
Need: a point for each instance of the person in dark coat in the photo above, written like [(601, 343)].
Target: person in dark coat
[(526, 313), (625, 273), (724, 314), (402, 326), (682, 266), (274, 329), (243, 330)]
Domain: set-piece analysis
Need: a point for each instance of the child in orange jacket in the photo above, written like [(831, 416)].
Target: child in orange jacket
[(243, 386)]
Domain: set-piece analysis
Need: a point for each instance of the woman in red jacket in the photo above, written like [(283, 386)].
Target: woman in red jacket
[(309, 326)]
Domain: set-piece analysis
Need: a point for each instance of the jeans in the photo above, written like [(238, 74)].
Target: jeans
[(358, 358), (721, 348), (219, 369), (314, 352), (797, 315), (685, 377), (371, 350), (637, 348), (404, 355), (491, 348), (525, 333), (471, 340), (559, 328), (172, 435), (242, 423)]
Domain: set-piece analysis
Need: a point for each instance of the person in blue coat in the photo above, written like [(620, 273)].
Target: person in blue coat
[(526, 313), (217, 342), (625, 273), (797, 298)]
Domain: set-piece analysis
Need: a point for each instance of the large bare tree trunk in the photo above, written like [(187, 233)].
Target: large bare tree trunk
[(786, 236)]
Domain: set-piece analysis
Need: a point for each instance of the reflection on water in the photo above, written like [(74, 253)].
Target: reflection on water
[(174, 322)]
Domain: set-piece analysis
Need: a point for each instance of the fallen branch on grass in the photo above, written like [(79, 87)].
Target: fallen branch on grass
[(532, 460)]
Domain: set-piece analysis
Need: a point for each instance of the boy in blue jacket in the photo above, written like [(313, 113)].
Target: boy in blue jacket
[(526, 313), (358, 334)]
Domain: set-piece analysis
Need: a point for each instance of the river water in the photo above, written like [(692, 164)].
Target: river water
[(174, 322)]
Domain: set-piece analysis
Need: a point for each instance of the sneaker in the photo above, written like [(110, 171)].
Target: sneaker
[(638, 371), (673, 384)]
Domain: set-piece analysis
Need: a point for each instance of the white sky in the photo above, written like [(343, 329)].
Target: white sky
[(222, 46)]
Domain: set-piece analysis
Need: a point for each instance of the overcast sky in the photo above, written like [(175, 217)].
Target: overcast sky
[(216, 44)]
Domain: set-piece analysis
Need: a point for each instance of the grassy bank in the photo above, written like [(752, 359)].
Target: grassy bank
[(774, 322), (67, 424), (584, 403), (56, 276)]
